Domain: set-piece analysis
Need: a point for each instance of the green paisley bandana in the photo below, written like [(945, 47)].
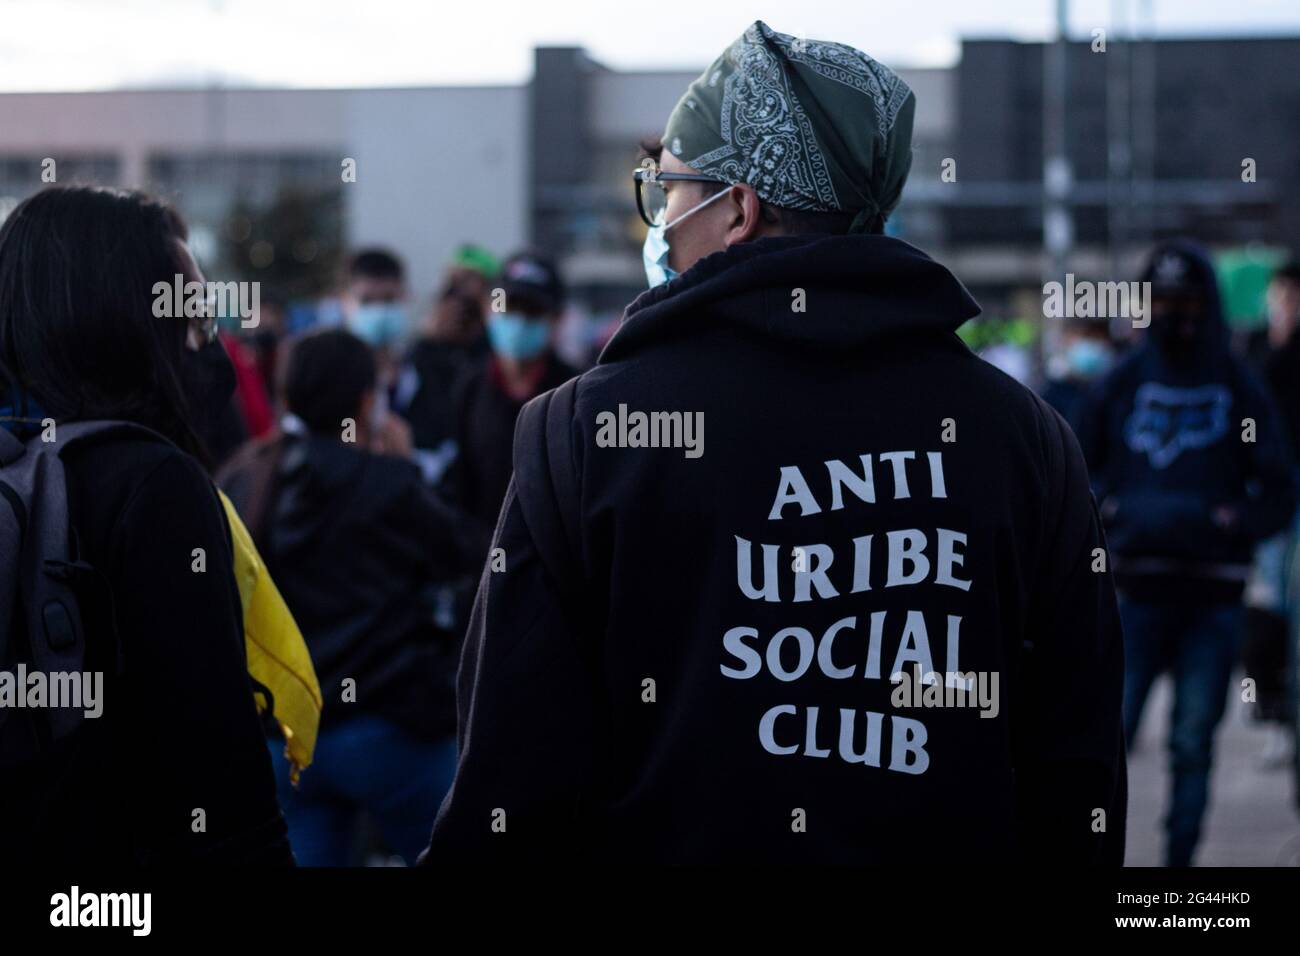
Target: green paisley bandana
[(807, 123)]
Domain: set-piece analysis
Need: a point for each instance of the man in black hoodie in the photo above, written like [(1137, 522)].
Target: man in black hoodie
[(1191, 468), (757, 647)]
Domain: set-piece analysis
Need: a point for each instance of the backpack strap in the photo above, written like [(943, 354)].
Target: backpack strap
[(13, 528), (250, 479), (39, 572), (546, 484)]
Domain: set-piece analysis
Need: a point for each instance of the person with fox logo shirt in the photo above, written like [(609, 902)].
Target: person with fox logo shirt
[(1191, 468)]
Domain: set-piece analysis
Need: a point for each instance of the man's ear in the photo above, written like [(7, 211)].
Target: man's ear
[(746, 215)]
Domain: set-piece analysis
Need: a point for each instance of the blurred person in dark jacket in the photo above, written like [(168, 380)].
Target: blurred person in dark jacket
[(1268, 651), (267, 338), (452, 345), (460, 312), (1282, 362), (521, 365), (376, 309), (1191, 468), (1086, 353), (355, 540)]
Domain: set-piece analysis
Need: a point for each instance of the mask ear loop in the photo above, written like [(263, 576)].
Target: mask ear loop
[(696, 208)]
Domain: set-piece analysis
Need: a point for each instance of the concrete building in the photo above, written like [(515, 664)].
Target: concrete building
[(433, 166), (1156, 134), (547, 164)]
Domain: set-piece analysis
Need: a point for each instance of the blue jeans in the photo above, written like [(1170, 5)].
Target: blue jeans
[(364, 765), (1198, 644)]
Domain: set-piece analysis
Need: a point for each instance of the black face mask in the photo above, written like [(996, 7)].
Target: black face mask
[(208, 379), (1178, 331)]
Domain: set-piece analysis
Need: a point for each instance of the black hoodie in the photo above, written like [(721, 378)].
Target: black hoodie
[(355, 540), (681, 715), (1171, 436)]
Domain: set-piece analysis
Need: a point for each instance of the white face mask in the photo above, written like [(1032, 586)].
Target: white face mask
[(654, 253)]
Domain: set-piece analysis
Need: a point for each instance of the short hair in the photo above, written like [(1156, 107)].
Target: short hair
[(793, 222), (325, 376), (375, 263)]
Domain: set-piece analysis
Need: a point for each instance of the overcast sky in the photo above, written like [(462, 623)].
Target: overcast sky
[(107, 44)]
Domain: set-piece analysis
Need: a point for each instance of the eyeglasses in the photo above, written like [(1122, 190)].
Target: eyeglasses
[(206, 321), (652, 195)]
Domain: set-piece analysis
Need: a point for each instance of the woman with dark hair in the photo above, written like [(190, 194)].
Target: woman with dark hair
[(175, 768)]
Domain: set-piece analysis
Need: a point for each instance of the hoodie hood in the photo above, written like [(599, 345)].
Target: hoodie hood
[(1183, 267), (316, 474), (858, 289)]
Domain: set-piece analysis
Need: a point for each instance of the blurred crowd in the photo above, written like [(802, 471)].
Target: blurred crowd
[(1176, 423), (318, 512), (442, 392), (405, 525), (369, 455)]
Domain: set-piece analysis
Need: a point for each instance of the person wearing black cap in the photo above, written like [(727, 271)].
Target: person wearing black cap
[(526, 306), (1191, 468), (755, 563)]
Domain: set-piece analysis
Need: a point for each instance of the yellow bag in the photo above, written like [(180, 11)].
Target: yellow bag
[(277, 653)]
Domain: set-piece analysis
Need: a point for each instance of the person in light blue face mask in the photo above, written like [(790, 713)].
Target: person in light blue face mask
[(518, 337), (374, 301), (378, 324), (655, 250), (526, 305), (1085, 354)]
